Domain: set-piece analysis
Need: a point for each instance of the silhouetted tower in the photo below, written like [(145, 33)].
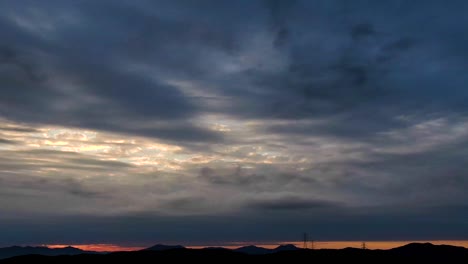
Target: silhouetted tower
[(306, 238), (364, 246), (312, 246)]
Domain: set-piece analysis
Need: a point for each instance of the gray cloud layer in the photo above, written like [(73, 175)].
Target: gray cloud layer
[(285, 114)]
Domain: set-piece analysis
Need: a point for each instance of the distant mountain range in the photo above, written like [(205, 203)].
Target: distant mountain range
[(13, 251), (418, 252), (160, 247), (254, 250), (9, 252)]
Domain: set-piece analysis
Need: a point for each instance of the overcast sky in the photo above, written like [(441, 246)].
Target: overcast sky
[(137, 122)]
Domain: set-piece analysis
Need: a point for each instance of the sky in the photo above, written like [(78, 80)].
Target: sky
[(204, 122)]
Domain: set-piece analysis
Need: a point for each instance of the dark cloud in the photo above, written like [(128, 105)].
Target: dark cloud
[(361, 102), (7, 141), (291, 203), (45, 81), (36, 186), (394, 49), (412, 176), (76, 188), (139, 229), (279, 12), (362, 30), (233, 177), (10, 57), (186, 204), (355, 77), (19, 129), (242, 178), (313, 82)]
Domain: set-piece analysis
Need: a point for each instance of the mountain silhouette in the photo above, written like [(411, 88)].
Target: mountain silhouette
[(418, 253), (254, 250), (8, 252), (425, 246), (430, 249), (287, 247), (160, 247)]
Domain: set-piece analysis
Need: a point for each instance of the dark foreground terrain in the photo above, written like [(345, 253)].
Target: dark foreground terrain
[(420, 253)]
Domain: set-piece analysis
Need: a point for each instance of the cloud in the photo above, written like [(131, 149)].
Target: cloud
[(231, 177), (279, 15), (139, 229), (362, 30), (18, 129), (291, 203), (196, 116), (342, 73), (7, 142), (45, 83)]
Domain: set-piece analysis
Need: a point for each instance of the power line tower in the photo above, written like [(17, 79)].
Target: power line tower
[(306, 238), (312, 244), (363, 246)]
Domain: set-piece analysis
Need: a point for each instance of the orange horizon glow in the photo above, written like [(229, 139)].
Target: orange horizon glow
[(300, 244), (98, 247)]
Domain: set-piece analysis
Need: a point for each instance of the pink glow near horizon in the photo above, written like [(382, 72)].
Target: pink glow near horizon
[(233, 245)]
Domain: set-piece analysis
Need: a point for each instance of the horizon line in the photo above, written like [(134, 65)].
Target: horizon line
[(316, 244)]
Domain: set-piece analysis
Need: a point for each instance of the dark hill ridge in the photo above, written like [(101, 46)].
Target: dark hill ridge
[(426, 246), (287, 247), (254, 250), (160, 247), (421, 248), (8, 252), (425, 253)]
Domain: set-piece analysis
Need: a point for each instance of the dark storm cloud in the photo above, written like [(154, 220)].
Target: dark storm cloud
[(312, 75), (388, 73), (35, 186), (232, 177), (186, 204), (442, 180), (350, 64), (240, 178), (49, 80), (147, 229), (290, 203)]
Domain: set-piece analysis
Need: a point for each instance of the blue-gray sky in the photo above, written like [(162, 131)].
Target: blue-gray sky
[(133, 122)]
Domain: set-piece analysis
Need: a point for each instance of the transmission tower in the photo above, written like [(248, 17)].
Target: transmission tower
[(306, 238), (364, 246)]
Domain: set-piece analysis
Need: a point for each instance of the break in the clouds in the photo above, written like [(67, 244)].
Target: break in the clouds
[(190, 122)]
